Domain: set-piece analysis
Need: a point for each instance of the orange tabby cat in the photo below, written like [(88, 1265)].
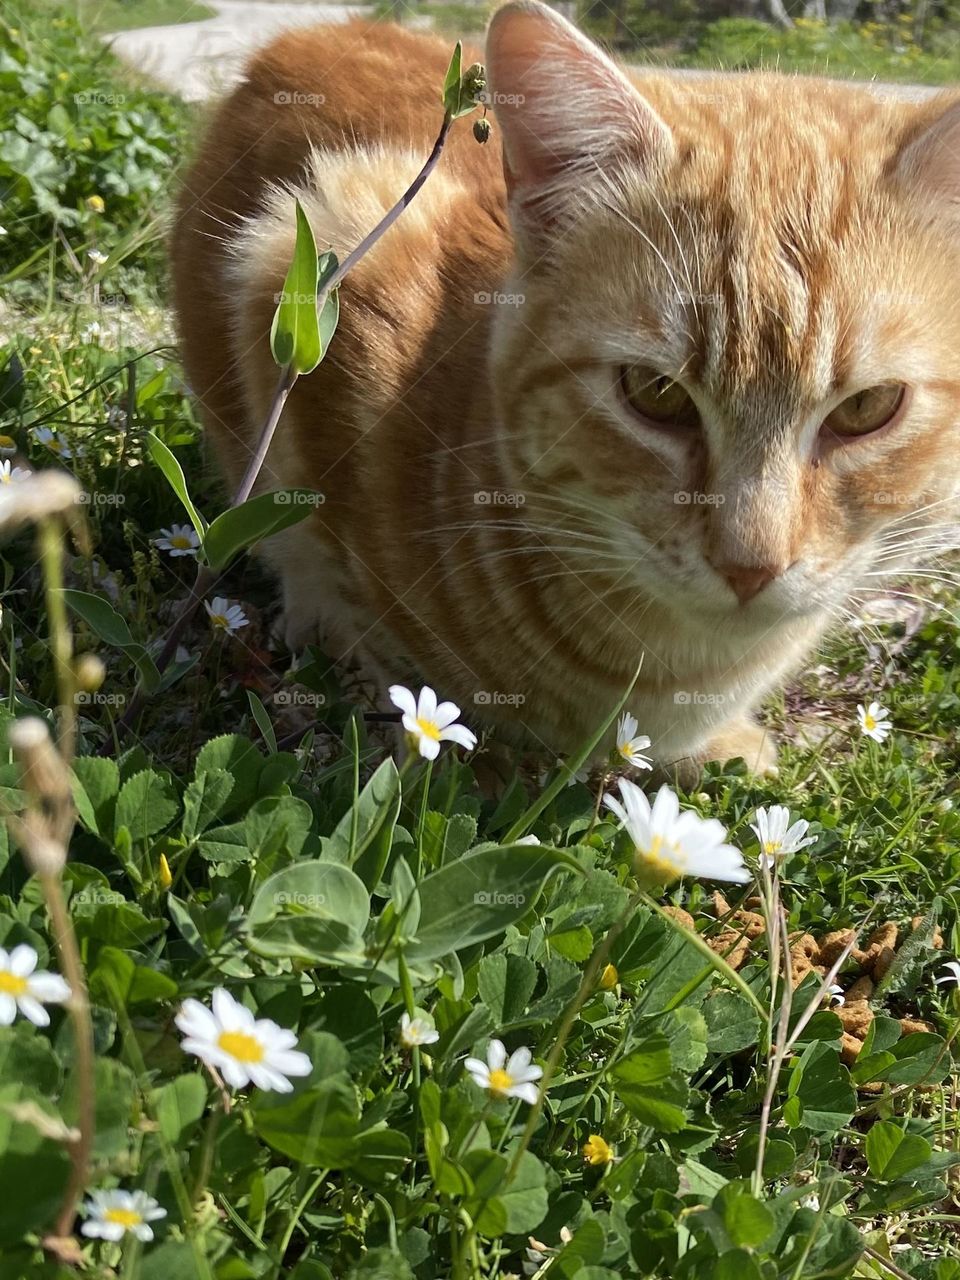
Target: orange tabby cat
[(669, 378)]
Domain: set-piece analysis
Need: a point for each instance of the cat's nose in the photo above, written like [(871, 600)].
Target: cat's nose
[(747, 580)]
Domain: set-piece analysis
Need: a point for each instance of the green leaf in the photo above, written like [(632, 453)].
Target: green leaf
[(475, 898), (96, 784), (33, 1169), (505, 983), (498, 1207), (114, 1088), (146, 804), (179, 1105), (238, 757), (264, 723), (746, 1220), (25, 1055), (649, 1063), (821, 1084), (892, 1154), (204, 801), (299, 335), (732, 1022), (257, 518), (450, 96), (105, 622), (173, 472), (313, 911), (118, 979), (377, 808)]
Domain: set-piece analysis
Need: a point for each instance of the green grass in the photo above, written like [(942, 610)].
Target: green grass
[(124, 15), (387, 1163)]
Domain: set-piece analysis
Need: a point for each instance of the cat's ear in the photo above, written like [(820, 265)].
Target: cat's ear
[(566, 113), (931, 159)]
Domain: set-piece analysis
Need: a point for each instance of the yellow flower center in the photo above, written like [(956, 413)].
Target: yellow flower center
[(626, 750), (869, 722), (7, 442), (500, 1080), (772, 846), (660, 870), (428, 729), (181, 543), (240, 1045), (219, 620), (123, 1217), (11, 985)]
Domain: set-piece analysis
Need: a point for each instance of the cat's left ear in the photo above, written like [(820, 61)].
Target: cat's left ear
[(568, 116), (931, 159)]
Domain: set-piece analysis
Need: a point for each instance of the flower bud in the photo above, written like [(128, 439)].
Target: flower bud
[(89, 672), (481, 129)]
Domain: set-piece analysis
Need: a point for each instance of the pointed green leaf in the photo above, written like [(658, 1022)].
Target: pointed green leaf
[(177, 481)]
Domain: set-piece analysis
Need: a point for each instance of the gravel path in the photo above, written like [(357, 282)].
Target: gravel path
[(200, 59)]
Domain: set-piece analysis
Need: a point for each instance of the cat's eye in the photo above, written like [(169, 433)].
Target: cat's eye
[(657, 397), (866, 411)]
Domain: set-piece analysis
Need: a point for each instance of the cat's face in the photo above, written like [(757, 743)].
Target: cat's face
[(735, 374)]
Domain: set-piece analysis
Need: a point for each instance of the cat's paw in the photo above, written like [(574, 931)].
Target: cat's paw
[(746, 738), (299, 626)]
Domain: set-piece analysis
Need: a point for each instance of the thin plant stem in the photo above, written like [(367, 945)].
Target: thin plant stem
[(78, 1008)]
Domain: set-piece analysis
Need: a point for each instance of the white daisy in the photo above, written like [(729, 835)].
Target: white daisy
[(23, 988), (671, 844), (111, 1214), (96, 257), (630, 744), (777, 838), (873, 722), (225, 616), (428, 723), (503, 1077), (952, 973), (417, 1031), (54, 442), (528, 840), (179, 540), (241, 1047), (13, 475)]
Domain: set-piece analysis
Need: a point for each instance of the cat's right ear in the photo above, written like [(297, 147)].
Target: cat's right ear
[(567, 115)]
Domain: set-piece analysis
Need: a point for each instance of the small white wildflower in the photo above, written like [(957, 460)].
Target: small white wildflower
[(225, 616), (13, 475), (244, 1049), (835, 996), (952, 974), (670, 843), (417, 1031), (503, 1077), (873, 721), (430, 723), (54, 442), (112, 1214), (528, 840), (630, 744), (178, 540), (96, 257), (777, 838), (23, 988)]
